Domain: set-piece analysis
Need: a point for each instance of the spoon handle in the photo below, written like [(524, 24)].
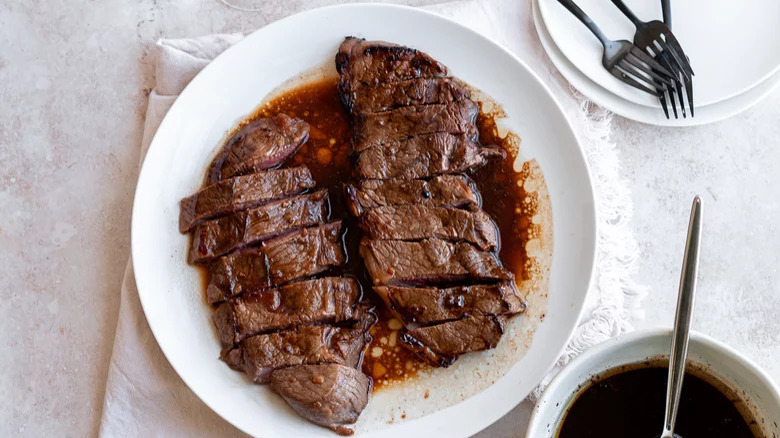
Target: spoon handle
[(682, 320)]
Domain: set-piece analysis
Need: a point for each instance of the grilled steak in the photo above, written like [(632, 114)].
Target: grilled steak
[(322, 300), (365, 63), (416, 222), (430, 305), (442, 190), (295, 255), (423, 91), (429, 261), (259, 145), (441, 344), (375, 129), (423, 156), (240, 193), (305, 252), (259, 355), (330, 395), (219, 236)]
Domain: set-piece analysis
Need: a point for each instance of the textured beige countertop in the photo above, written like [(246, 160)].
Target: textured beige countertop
[(73, 83)]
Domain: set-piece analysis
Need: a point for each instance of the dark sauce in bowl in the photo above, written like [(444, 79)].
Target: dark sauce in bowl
[(630, 403)]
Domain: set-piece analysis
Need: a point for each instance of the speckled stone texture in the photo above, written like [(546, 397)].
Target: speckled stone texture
[(73, 83)]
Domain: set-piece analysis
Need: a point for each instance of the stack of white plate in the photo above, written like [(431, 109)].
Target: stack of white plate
[(734, 49)]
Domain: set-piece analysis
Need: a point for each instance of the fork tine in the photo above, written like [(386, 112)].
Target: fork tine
[(670, 91), (680, 61), (638, 64), (644, 57), (689, 92), (672, 43), (662, 98), (638, 73), (624, 76), (679, 85)]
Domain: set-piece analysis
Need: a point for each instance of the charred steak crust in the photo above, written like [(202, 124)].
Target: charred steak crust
[(365, 63), (329, 395), (440, 191), (241, 193), (220, 236), (261, 144), (415, 222), (322, 301), (441, 344), (431, 305), (419, 91)]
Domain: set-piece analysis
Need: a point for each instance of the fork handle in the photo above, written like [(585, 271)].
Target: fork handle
[(667, 11), (587, 21), (627, 12)]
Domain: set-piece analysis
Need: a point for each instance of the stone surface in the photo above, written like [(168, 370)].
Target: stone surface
[(73, 82)]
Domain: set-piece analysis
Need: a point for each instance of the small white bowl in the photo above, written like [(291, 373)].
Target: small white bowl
[(715, 359)]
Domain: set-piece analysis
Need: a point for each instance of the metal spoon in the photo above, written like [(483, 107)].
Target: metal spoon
[(682, 321)]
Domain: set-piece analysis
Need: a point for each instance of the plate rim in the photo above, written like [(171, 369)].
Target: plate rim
[(590, 241)]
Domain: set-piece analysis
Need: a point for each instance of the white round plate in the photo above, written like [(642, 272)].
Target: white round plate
[(642, 113), (231, 87), (732, 45)]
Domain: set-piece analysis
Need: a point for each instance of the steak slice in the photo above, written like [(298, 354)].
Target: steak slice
[(420, 91), (360, 63), (330, 395), (441, 190), (259, 145), (430, 305), (237, 273), (417, 222), (260, 355), (242, 192), (305, 252), (429, 261), (219, 236), (441, 344), (322, 300), (302, 253), (370, 130), (423, 156)]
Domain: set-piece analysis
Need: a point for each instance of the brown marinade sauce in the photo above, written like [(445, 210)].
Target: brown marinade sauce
[(327, 154)]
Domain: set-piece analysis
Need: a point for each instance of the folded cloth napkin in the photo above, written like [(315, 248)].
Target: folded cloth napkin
[(145, 397)]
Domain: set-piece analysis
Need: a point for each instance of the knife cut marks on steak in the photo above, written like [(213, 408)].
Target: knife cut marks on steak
[(371, 130), (220, 236), (423, 156), (421, 91), (305, 252), (260, 355), (429, 261), (441, 344), (432, 305), (330, 395), (322, 301), (259, 145), (242, 192), (440, 191), (416, 222)]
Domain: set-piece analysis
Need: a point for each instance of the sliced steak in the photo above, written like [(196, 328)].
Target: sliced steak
[(430, 305), (430, 261), (219, 236), (366, 63), (322, 300), (370, 130), (441, 344), (237, 273), (305, 252), (242, 192), (441, 190), (259, 145), (330, 395), (259, 355), (417, 222), (423, 156), (421, 91)]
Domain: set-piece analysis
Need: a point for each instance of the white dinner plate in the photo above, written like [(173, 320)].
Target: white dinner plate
[(228, 89), (642, 113), (732, 45)]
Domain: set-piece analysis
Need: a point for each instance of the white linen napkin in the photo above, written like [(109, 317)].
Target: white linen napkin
[(144, 395)]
